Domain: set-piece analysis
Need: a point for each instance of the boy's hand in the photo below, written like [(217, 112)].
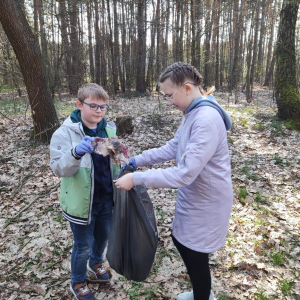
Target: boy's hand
[(85, 146), (125, 182)]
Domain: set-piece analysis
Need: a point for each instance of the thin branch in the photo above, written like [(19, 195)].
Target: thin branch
[(41, 195)]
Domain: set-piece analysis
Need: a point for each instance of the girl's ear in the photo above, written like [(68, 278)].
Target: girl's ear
[(188, 88), (79, 104)]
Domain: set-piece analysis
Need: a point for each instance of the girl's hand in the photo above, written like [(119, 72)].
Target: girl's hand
[(125, 182)]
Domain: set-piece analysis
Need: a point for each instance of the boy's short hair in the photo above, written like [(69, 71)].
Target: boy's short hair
[(92, 90)]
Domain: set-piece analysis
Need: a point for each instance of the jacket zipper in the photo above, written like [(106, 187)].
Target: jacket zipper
[(92, 184)]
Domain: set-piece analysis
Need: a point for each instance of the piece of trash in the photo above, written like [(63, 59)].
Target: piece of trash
[(119, 152)]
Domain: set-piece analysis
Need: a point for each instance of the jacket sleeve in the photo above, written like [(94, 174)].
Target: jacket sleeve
[(157, 155), (200, 148), (62, 161)]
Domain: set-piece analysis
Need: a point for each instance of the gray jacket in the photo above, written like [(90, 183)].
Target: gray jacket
[(202, 176)]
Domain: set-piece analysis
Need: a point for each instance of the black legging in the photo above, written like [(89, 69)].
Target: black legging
[(198, 270)]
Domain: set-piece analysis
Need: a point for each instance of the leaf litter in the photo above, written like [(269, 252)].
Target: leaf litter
[(262, 251)]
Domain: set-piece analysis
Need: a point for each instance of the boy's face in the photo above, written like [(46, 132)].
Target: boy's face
[(88, 116)]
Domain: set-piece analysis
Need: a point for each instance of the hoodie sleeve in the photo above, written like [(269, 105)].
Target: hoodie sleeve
[(62, 159), (200, 148), (158, 155)]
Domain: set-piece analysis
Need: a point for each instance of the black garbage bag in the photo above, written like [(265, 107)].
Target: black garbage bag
[(133, 236)]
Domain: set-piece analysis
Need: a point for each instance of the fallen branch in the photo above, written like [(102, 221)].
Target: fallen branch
[(41, 195), (59, 282), (6, 117)]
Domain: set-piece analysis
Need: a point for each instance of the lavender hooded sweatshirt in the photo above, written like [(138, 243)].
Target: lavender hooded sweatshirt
[(202, 176)]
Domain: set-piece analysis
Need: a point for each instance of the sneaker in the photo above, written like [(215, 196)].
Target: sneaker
[(190, 296), (211, 296), (81, 291), (98, 273), (186, 296)]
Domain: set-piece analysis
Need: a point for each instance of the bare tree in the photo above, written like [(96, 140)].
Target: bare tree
[(27, 50), (285, 87)]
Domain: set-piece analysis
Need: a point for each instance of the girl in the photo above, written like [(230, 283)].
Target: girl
[(202, 174)]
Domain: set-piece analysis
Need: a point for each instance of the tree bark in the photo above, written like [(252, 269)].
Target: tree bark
[(77, 57), (217, 45), (117, 47), (270, 45), (285, 87), (141, 54), (91, 54), (253, 65), (259, 68), (208, 27), (27, 50)]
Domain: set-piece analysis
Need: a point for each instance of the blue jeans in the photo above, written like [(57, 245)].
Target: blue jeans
[(90, 241)]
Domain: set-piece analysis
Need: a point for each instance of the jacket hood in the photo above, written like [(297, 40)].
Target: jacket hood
[(212, 102), (74, 123)]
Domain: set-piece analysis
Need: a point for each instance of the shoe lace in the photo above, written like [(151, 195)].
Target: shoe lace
[(101, 269), (84, 289)]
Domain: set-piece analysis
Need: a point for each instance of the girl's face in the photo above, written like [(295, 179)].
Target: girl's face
[(176, 95)]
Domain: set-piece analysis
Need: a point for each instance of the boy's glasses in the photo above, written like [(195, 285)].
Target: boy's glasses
[(170, 98), (95, 107)]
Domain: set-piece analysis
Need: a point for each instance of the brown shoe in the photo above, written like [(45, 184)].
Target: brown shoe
[(98, 274), (81, 291)]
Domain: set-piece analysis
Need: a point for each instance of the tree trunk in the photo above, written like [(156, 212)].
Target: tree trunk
[(65, 43), (114, 62), (270, 72), (91, 54), (158, 52), (116, 47), (253, 66), (166, 46), (208, 27), (217, 45), (260, 44), (285, 88), (150, 72), (141, 54), (35, 17), (270, 45), (238, 19), (125, 53), (77, 59), (27, 50)]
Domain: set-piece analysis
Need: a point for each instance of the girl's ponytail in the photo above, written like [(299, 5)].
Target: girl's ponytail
[(210, 91)]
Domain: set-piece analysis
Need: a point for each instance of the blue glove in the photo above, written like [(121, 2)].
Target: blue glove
[(85, 146), (131, 163)]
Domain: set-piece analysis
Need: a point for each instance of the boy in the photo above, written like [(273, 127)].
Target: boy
[(86, 194)]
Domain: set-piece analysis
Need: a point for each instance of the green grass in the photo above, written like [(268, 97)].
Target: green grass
[(260, 199), (244, 121), (277, 258), (224, 297), (64, 108), (278, 160), (242, 195), (286, 287), (245, 170), (230, 140), (134, 292), (259, 126), (276, 128), (261, 296), (15, 106)]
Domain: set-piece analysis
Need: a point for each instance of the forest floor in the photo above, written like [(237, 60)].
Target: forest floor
[(260, 259)]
